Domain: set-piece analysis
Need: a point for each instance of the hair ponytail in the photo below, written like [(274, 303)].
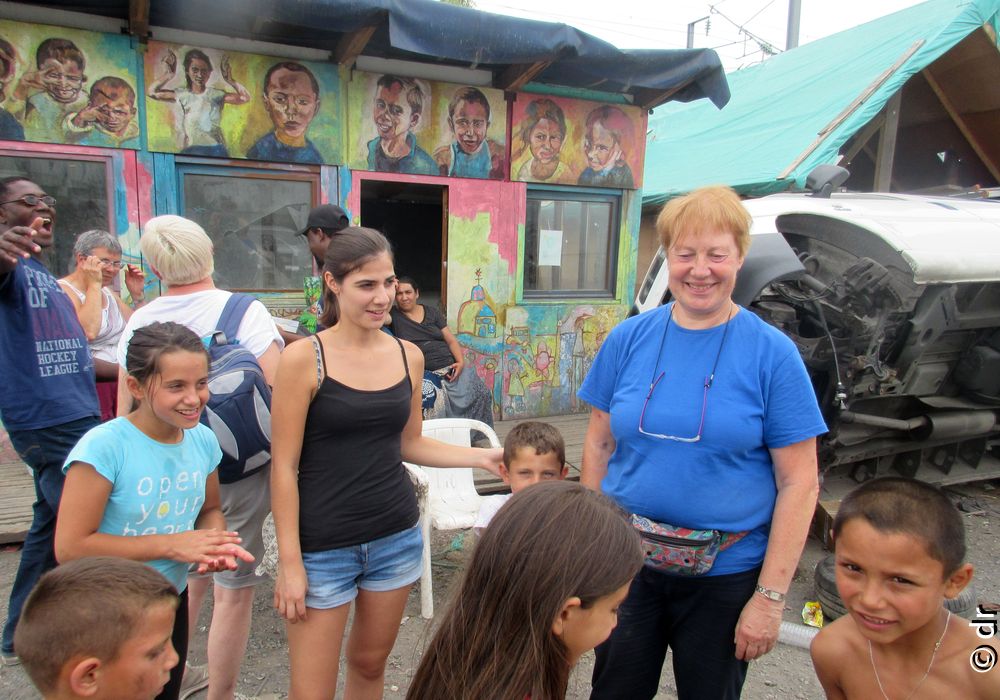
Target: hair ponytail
[(331, 307), (349, 249)]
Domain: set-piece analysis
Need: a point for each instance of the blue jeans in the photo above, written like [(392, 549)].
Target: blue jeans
[(385, 564), (696, 617), (179, 638), (45, 451)]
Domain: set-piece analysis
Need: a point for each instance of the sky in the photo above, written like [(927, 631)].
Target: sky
[(734, 28)]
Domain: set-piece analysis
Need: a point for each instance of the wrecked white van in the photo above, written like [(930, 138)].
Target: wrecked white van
[(894, 304)]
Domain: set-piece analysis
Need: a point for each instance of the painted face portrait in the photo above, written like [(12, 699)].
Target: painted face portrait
[(8, 65), (63, 80), (601, 147), (291, 103), (115, 109), (545, 141), (469, 125), (198, 73), (392, 114)]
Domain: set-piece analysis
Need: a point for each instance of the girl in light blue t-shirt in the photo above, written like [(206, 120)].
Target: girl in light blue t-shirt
[(145, 486)]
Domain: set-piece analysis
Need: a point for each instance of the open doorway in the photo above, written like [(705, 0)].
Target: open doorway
[(413, 218)]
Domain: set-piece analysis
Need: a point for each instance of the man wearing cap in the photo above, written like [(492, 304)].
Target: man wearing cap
[(324, 221)]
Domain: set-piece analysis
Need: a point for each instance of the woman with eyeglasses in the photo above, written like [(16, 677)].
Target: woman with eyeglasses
[(101, 311), (703, 426)]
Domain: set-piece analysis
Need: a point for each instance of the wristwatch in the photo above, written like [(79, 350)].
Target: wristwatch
[(771, 594)]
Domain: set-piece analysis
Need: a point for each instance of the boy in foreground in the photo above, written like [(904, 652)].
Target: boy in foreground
[(532, 452), (900, 552), (99, 628)]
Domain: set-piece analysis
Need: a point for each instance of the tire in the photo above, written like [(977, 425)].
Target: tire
[(963, 605), (826, 590)]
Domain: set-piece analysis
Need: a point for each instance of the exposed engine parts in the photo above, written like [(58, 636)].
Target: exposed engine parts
[(899, 368)]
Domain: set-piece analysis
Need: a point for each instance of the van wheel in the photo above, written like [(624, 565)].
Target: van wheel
[(963, 605), (826, 590)]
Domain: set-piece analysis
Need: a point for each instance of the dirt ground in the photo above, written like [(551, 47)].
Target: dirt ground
[(785, 673)]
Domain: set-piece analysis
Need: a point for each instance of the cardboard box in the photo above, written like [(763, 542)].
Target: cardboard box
[(826, 511)]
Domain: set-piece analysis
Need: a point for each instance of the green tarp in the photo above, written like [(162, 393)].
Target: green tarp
[(781, 107)]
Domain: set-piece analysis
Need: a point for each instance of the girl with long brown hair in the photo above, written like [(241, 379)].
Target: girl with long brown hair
[(542, 588), (344, 417)]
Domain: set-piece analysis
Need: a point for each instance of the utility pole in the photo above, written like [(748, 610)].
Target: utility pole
[(794, 14), (690, 41)]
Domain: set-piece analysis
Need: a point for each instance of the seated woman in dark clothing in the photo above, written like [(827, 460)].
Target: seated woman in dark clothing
[(464, 393)]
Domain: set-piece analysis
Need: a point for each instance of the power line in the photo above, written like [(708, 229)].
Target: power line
[(754, 16), (766, 46)]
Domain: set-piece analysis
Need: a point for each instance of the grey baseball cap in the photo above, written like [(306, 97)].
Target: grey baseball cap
[(328, 217)]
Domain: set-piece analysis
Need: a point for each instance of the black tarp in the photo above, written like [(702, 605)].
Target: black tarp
[(435, 32)]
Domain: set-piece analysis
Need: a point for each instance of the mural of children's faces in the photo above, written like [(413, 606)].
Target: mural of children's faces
[(392, 114), (608, 133), (406, 125), (62, 79), (469, 124), (44, 84), (543, 130), (601, 147), (545, 140), (472, 152), (228, 104), (197, 70), (576, 142), (8, 61), (115, 105), (9, 127), (291, 100)]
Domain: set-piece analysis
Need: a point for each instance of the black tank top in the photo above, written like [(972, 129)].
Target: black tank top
[(353, 487)]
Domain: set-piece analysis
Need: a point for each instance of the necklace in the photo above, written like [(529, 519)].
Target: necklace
[(937, 645)]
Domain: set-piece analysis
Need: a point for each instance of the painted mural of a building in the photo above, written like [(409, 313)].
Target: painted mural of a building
[(540, 192)]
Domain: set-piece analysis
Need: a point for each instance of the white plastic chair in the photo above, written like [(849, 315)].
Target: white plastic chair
[(422, 487), (454, 501), (447, 497)]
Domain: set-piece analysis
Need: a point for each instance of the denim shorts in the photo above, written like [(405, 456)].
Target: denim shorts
[(335, 575)]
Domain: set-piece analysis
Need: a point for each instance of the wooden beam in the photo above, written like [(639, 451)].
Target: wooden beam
[(872, 156), (351, 45), (864, 136), (960, 122), (520, 74), (648, 98), (887, 144), (138, 18)]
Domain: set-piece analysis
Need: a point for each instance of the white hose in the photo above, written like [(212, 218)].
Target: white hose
[(796, 635)]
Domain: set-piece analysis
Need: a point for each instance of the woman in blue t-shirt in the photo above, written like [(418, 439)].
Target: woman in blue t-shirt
[(144, 486), (703, 426)]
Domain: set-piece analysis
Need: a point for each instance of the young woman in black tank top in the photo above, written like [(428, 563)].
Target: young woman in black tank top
[(344, 417)]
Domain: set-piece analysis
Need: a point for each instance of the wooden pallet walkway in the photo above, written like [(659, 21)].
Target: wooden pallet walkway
[(17, 489), (17, 494)]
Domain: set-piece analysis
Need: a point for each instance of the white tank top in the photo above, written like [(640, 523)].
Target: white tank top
[(105, 345)]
